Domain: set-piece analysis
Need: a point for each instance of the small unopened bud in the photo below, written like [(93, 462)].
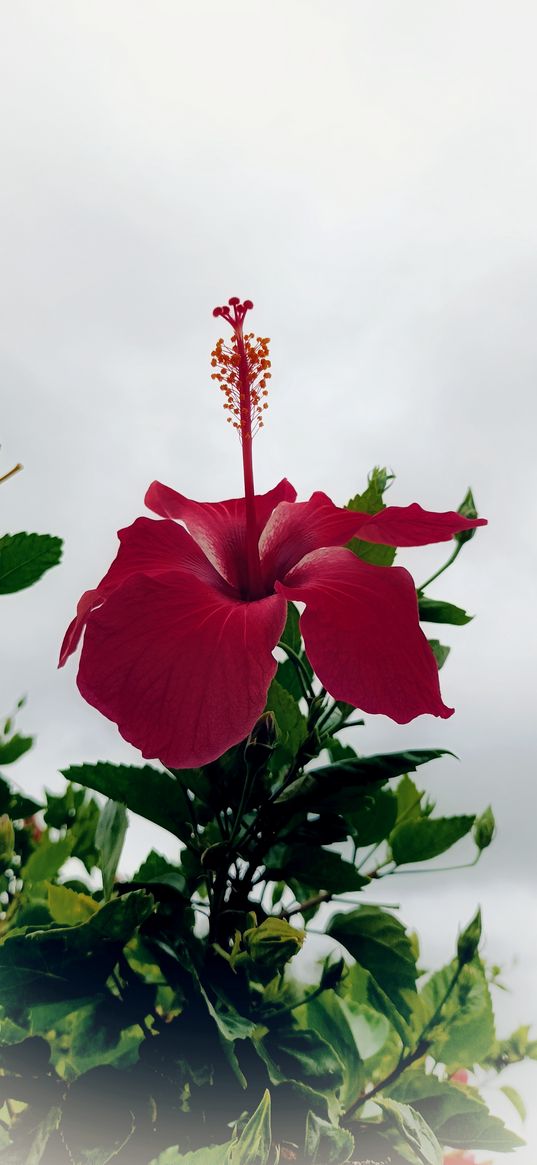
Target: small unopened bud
[(264, 732), (7, 838), (332, 974), (469, 940), (484, 829)]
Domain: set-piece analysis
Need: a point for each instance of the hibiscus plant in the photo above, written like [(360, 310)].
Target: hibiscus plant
[(172, 1017)]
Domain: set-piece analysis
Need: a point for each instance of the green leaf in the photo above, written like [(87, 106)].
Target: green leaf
[(329, 1017), (291, 723), (371, 502), (336, 785), (421, 840), (440, 652), (212, 1155), (456, 1113), (157, 870), (303, 1056), (62, 963), (413, 1137), (254, 1144), (291, 633), (15, 747), (68, 908), (380, 944), (47, 860), (437, 611), (328, 872), (515, 1099), (466, 1033), (24, 558), (409, 799), (146, 791), (326, 1144), (374, 817), (109, 838)]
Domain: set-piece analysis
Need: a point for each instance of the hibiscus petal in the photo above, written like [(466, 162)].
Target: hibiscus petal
[(294, 530), (362, 634), (413, 526), (181, 668), (147, 546), (219, 527)]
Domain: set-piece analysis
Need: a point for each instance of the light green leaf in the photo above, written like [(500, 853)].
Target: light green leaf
[(516, 1100), (466, 1033), (272, 944), (254, 1144), (456, 1113), (212, 1155), (109, 839), (421, 840), (47, 860), (413, 1137), (326, 1144), (371, 502), (69, 908)]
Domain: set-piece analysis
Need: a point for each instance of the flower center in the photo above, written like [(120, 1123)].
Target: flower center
[(242, 370)]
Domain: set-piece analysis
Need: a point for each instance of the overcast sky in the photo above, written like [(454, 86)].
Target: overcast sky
[(366, 172)]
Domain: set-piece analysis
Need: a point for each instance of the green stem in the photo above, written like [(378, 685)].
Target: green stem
[(301, 670), (441, 570)]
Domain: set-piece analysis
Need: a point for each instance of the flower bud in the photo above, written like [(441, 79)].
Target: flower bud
[(484, 829), (468, 510), (7, 838), (264, 732), (271, 945), (469, 940)]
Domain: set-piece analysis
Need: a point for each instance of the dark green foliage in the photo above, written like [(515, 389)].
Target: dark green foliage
[(437, 611), (160, 1020), (24, 558)]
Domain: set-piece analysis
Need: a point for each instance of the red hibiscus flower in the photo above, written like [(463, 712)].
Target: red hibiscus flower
[(180, 632)]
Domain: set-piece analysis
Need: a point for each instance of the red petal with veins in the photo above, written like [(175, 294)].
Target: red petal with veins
[(362, 634), (413, 526), (180, 667), (149, 547), (295, 529), (219, 527)]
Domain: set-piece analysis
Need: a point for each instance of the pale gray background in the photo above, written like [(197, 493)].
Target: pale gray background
[(366, 172)]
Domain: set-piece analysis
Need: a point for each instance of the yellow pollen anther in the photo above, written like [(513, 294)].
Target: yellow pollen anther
[(226, 358)]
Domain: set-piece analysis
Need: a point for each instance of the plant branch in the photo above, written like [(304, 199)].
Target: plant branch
[(405, 1061)]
